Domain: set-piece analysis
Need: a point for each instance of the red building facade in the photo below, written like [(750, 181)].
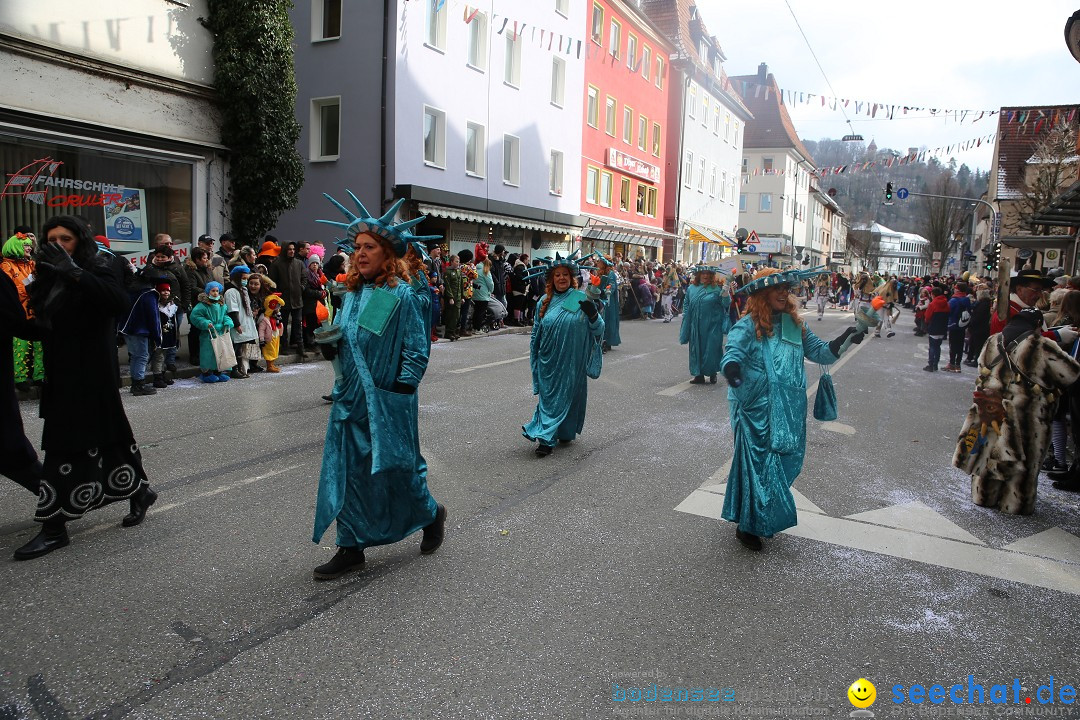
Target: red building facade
[(625, 131)]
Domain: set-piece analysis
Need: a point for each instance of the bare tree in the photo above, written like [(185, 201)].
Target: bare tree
[(1052, 166), (943, 219), (865, 245)]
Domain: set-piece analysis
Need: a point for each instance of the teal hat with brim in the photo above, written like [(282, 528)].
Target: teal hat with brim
[(569, 261), (397, 234), (786, 277)]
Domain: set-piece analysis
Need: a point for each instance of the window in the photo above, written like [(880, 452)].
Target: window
[(597, 24), (716, 119), (745, 166), (434, 137), (712, 183), (646, 62), (742, 202), (701, 175), (511, 160), (703, 52), (704, 109), (609, 116), (325, 128), (475, 149), (723, 184), (693, 101), (624, 195), (628, 125), (593, 108), (592, 185), (656, 139), (659, 73), (642, 192), (562, 7), (512, 76), (615, 38), (605, 189), (642, 131), (766, 164), (436, 26), (478, 34), (650, 203), (765, 202), (736, 132), (631, 51), (558, 81), (688, 169), (325, 20), (555, 175), (727, 126)]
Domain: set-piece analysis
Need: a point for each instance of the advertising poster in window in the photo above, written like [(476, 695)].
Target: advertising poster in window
[(125, 219)]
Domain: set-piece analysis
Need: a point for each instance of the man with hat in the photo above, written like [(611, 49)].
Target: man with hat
[(1025, 290), (763, 364)]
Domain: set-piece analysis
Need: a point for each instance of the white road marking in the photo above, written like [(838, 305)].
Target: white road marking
[(837, 427), (155, 509), (919, 518), (675, 389), (1054, 543), (912, 545), (488, 365)]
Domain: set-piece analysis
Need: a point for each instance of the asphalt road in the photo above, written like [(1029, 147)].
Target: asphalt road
[(562, 581)]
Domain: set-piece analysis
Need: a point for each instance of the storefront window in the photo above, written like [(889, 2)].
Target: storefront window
[(128, 198)]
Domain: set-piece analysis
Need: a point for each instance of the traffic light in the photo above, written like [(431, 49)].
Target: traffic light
[(806, 259), (991, 252), (888, 192), (740, 245)]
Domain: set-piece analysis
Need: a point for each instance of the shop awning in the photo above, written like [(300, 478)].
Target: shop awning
[(481, 218), (701, 233), (1063, 211), (1039, 242), (605, 230)]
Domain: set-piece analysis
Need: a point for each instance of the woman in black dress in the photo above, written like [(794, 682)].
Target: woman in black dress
[(91, 458)]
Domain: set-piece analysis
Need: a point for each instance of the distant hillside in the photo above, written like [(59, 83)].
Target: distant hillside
[(861, 193)]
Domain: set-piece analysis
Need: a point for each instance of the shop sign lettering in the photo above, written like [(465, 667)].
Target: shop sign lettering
[(31, 183)]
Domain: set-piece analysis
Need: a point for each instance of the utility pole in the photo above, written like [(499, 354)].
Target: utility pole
[(974, 220), (794, 214)]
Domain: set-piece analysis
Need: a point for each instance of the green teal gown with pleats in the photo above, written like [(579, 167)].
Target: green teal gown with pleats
[(612, 310), (758, 495), (374, 479), (565, 351), (705, 321)]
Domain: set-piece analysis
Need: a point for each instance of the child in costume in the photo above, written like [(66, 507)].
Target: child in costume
[(17, 264), (211, 312), (564, 351), (705, 322), (270, 329), (610, 279), (164, 355), (763, 364), (821, 293), (373, 482)]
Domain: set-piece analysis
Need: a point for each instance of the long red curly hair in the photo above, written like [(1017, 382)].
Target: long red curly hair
[(416, 266), (758, 307), (393, 269)]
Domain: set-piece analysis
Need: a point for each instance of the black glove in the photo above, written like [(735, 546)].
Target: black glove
[(403, 389), (329, 350), (859, 337), (589, 309), (55, 258), (834, 346), (733, 374)]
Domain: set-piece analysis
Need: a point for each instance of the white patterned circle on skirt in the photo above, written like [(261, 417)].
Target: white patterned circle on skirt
[(46, 494), (134, 448), (122, 478), (92, 452), (86, 495), (65, 469)]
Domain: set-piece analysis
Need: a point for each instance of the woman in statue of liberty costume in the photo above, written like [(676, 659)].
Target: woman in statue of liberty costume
[(564, 352), (374, 479), (705, 322), (763, 364), (605, 268)]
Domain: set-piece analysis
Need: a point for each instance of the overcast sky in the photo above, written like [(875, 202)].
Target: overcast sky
[(953, 54)]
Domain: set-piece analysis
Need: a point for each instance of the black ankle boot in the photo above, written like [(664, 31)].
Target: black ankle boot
[(433, 533), (698, 380), (750, 542), (140, 503), (346, 560), (544, 450), (159, 380), (53, 536)]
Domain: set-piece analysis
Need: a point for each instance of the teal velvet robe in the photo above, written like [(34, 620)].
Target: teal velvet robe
[(758, 495), (203, 315), (374, 479), (611, 310), (565, 350), (705, 321)]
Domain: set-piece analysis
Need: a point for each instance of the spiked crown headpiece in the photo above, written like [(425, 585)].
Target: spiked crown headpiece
[(397, 234)]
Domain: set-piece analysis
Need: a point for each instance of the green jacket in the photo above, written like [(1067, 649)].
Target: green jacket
[(454, 284)]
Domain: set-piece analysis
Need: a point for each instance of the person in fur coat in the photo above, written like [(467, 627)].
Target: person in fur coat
[(1022, 372)]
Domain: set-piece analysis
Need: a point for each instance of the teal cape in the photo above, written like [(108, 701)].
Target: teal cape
[(705, 321), (564, 351), (611, 310), (758, 495), (374, 479), (202, 316), (420, 286)]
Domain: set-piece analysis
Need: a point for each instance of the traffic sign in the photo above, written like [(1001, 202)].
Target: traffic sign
[(751, 248), (902, 193), (950, 261), (936, 264)]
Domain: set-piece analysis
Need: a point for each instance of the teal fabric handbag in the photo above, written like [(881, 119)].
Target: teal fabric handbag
[(825, 400)]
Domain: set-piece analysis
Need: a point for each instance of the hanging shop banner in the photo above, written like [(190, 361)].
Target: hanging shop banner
[(125, 218), (632, 166)]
